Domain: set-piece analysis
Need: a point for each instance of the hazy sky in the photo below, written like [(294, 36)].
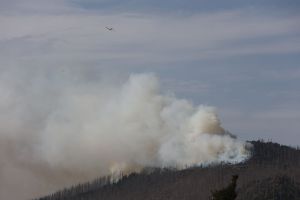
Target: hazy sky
[(240, 57)]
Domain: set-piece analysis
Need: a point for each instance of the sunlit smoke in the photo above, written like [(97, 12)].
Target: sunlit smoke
[(57, 133)]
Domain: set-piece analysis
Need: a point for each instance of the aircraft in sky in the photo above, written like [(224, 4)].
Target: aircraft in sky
[(109, 28)]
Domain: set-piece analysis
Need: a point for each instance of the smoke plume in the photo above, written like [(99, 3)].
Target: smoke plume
[(56, 133)]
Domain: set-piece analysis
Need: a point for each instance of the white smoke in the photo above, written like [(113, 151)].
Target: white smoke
[(57, 133)]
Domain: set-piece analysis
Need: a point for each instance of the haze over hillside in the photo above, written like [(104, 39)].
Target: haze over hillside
[(92, 88), (272, 173), (107, 129)]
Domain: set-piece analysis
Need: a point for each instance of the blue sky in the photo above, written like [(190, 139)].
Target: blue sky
[(189, 6), (242, 57)]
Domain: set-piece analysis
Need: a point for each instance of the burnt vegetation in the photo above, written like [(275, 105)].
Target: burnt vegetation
[(272, 172)]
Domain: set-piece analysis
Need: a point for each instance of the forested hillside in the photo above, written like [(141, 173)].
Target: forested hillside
[(273, 172)]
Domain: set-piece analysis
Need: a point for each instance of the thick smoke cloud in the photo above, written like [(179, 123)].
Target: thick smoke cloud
[(59, 130)]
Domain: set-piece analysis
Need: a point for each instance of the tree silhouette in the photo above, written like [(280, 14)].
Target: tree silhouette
[(227, 193)]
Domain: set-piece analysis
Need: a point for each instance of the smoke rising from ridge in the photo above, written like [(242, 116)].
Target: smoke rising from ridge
[(57, 133)]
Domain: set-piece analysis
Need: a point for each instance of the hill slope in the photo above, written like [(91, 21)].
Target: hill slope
[(273, 172)]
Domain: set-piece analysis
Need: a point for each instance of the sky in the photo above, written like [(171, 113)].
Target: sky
[(241, 57)]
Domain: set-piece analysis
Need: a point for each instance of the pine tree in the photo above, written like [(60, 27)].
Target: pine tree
[(227, 193)]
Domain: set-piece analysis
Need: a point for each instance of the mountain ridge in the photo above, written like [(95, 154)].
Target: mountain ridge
[(271, 166)]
